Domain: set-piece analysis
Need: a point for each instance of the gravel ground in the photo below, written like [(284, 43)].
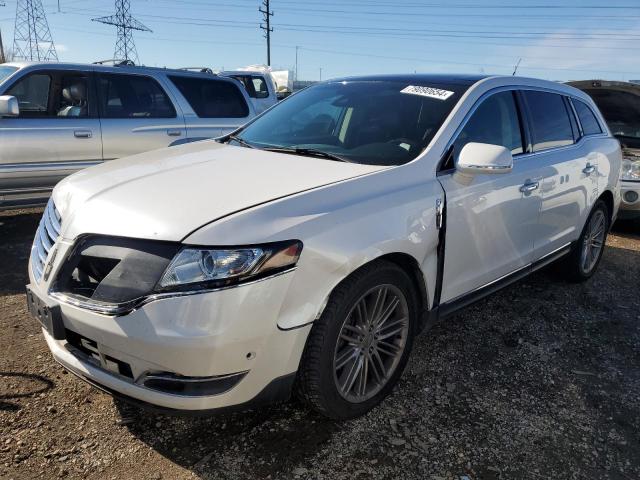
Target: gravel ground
[(541, 380)]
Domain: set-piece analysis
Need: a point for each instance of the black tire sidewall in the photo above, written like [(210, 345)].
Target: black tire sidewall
[(576, 270), (334, 402)]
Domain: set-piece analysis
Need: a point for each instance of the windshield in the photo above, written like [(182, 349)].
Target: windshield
[(5, 71), (621, 110), (369, 122)]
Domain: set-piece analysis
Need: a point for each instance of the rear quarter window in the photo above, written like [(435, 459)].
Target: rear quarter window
[(590, 125), (211, 98), (549, 119)]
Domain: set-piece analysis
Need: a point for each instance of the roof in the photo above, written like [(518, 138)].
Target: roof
[(100, 66), (457, 79)]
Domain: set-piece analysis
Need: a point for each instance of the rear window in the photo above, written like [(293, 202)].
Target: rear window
[(590, 125), (133, 96), (212, 98), (550, 120)]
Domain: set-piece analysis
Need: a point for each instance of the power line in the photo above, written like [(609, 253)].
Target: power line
[(125, 23)]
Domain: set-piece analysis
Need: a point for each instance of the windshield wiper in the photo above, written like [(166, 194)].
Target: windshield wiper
[(309, 152), (242, 142)]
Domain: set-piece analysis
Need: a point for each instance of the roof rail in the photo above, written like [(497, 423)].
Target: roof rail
[(198, 69), (116, 62)]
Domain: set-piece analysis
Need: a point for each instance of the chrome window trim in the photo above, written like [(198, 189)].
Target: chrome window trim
[(517, 88), (119, 309)]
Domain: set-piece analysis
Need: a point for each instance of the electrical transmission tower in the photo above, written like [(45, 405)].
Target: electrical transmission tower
[(267, 27), (125, 47), (32, 37)]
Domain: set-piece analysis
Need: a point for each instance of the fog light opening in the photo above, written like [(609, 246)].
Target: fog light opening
[(631, 196)]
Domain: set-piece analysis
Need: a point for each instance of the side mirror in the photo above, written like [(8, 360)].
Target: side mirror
[(9, 106), (484, 158)]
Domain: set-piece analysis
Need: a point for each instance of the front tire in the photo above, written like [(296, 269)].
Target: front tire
[(358, 348), (585, 257)]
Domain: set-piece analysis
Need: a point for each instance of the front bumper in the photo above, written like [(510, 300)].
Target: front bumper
[(203, 335), (630, 202)]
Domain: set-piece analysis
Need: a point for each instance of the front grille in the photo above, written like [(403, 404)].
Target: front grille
[(46, 236)]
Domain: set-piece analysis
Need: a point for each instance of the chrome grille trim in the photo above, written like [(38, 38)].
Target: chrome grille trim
[(45, 238)]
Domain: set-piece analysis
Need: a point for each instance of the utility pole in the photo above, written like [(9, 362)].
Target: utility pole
[(296, 76), (266, 26), (3, 57), (125, 23), (320, 73), (31, 35)]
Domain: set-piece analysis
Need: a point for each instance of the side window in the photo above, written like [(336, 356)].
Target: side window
[(212, 98), (133, 96), (73, 96), (590, 125), (549, 120), (495, 121), (33, 93), (260, 87)]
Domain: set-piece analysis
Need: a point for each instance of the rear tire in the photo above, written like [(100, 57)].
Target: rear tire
[(586, 254), (358, 348)]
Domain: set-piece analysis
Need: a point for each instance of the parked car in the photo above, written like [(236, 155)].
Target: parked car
[(259, 85), (309, 247), (57, 118), (619, 103)]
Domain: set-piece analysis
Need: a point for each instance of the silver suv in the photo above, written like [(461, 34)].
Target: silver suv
[(57, 118)]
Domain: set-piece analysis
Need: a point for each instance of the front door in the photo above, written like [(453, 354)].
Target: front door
[(56, 133), (490, 218)]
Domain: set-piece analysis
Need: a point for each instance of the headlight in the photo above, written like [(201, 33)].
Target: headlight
[(210, 267), (631, 169)]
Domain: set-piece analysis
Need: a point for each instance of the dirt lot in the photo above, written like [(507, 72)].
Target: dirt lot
[(541, 380)]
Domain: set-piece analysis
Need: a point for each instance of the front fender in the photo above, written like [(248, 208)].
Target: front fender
[(342, 226)]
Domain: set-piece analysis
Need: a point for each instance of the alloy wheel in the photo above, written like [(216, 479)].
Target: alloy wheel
[(371, 343), (593, 241)]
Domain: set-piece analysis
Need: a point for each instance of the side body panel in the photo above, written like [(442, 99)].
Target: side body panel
[(568, 193), (344, 226)]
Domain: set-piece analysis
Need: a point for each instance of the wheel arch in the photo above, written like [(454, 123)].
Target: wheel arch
[(410, 266), (607, 198)]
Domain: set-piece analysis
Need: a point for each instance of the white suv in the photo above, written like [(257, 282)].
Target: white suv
[(312, 247)]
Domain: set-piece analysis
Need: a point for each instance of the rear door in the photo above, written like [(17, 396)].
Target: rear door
[(137, 115), (218, 105), (56, 133), (568, 167), (490, 218)]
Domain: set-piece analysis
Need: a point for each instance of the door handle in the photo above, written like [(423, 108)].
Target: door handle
[(174, 132), (529, 187), (589, 169), (82, 133)]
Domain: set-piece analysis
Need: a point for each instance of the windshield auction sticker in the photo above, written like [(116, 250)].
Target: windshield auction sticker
[(427, 92)]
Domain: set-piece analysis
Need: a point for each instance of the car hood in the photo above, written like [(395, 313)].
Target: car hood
[(167, 194)]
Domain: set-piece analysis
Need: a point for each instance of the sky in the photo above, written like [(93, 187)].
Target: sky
[(566, 40)]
